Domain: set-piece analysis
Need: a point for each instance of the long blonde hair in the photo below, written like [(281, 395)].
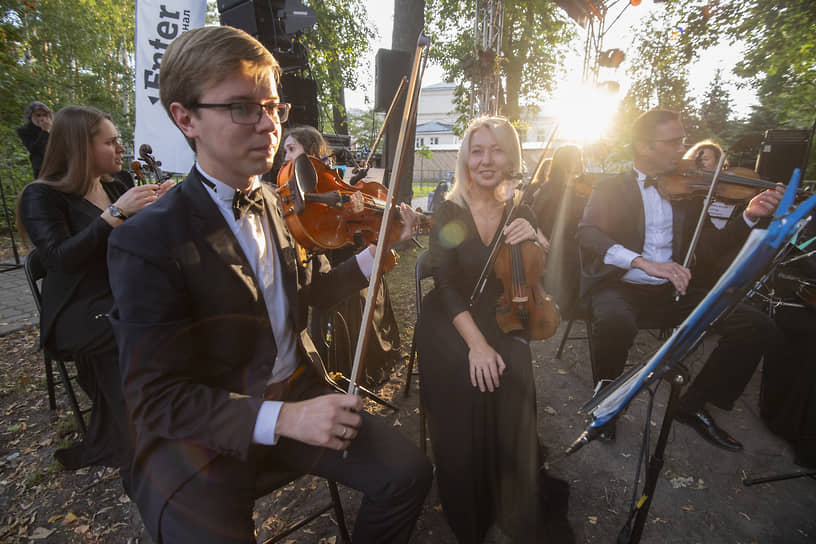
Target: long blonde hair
[(507, 138)]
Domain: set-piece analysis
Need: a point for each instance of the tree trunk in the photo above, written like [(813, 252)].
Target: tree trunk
[(409, 20)]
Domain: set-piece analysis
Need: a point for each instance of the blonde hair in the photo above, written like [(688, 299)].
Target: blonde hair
[(508, 140), (695, 152), (203, 57)]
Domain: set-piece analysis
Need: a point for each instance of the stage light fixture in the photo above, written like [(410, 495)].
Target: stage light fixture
[(611, 58)]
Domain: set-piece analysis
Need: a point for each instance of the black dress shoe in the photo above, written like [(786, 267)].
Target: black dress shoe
[(702, 422)]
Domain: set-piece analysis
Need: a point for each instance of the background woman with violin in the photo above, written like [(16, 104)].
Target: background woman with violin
[(559, 204), (477, 382), (68, 214), (384, 346)]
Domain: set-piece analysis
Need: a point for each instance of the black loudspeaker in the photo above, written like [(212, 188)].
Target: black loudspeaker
[(302, 94), (780, 152), (391, 67), (255, 17)]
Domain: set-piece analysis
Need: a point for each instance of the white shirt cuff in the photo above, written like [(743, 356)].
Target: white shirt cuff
[(265, 423), (751, 224), (365, 260), (620, 257)]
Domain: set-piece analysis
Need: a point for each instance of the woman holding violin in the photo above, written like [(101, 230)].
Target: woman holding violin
[(68, 214), (559, 204), (476, 381), (384, 347)]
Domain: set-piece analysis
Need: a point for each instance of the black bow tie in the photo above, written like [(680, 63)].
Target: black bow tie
[(251, 202), (650, 182)]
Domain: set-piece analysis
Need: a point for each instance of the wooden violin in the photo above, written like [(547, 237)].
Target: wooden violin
[(735, 184), (153, 166), (136, 168), (523, 304), (323, 212)]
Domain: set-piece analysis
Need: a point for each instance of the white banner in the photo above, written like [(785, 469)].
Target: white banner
[(158, 22)]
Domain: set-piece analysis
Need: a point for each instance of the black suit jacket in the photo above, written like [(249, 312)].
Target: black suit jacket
[(35, 141), (615, 215), (196, 345), (72, 240)]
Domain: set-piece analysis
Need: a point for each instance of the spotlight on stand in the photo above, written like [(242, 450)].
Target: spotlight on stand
[(611, 58)]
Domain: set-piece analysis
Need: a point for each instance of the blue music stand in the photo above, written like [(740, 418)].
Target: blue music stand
[(758, 253)]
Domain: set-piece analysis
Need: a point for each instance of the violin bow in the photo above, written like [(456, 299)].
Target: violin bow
[(525, 185), (409, 113), (701, 220)]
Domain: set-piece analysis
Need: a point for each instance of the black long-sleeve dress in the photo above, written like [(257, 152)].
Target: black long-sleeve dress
[(558, 210), (485, 444), (71, 238)]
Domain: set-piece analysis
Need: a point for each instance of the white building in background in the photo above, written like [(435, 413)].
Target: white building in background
[(436, 104), (436, 116)]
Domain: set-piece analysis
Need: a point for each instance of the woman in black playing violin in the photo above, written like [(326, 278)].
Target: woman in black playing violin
[(477, 382), (383, 349)]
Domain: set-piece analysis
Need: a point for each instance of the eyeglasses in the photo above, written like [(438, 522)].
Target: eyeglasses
[(250, 113), (673, 141)]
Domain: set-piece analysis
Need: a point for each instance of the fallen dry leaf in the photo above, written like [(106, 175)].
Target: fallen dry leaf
[(41, 533)]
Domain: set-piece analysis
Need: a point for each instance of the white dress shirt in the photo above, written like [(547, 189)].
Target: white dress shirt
[(657, 243)]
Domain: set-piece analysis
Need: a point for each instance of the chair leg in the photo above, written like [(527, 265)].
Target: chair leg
[(564, 339), (409, 375), (49, 380), (69, 390), (423, 441), (338, 512)]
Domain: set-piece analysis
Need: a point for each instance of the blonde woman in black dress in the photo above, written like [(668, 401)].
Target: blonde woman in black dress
[(476, 381)]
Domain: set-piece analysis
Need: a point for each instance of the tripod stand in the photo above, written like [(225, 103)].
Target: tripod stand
[(5, 267)]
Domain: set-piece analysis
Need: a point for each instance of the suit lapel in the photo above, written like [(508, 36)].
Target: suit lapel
[(633, 203), (207, 220), (286, 246)]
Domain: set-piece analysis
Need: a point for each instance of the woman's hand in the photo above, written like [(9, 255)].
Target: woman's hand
[(164, 187), (137, 198), (410, 221), (486, 366), (519, 230)]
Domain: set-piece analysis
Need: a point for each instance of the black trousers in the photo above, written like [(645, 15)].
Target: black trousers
[(216, 505), (621, 309)]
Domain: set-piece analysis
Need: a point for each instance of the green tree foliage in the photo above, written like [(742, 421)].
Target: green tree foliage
[(364, 127), (63, 52), (714, 116), (338, 46), (778, 56), (535, 36)]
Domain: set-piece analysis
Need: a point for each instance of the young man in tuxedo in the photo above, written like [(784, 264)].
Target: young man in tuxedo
[(632, 239), (210, 296)]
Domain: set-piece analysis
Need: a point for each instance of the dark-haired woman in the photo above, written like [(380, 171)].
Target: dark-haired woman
[(384, 346)]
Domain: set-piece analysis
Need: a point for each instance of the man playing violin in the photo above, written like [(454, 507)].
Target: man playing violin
[(209, 297), (631, 239)]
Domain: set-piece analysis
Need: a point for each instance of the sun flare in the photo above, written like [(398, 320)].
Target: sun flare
[(585, 113)]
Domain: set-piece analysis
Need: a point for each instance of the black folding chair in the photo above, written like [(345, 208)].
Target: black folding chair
[(423, 271), (272, 481), (35, 272)]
